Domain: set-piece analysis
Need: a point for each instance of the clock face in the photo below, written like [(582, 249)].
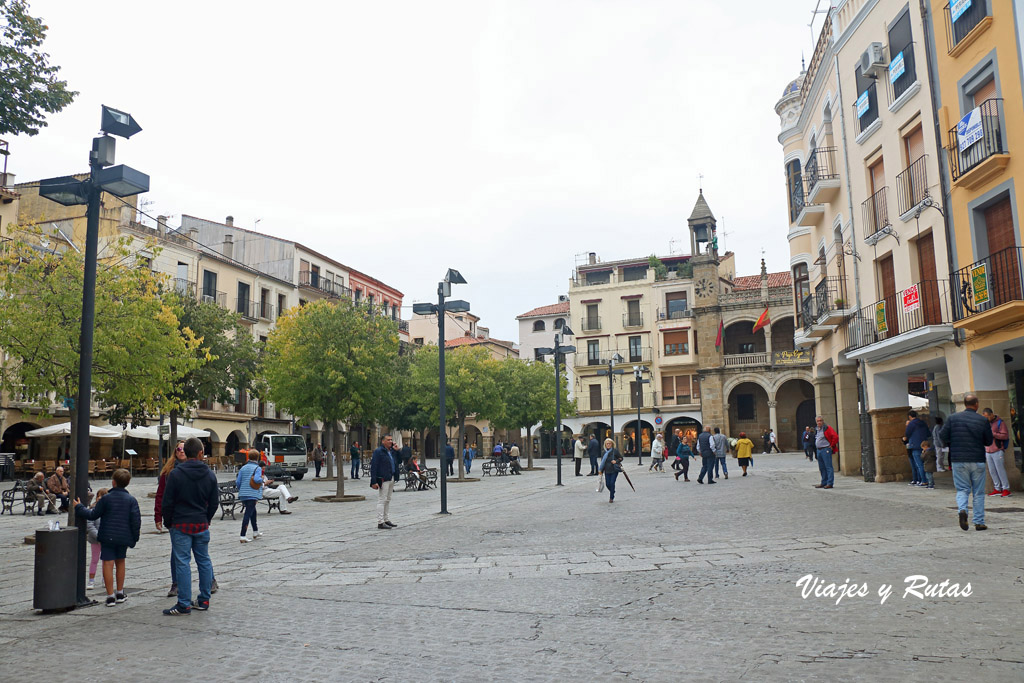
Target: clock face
[(703, 288)]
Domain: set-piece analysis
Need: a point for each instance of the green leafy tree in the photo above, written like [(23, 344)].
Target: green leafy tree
[(139, 351), (30, 83), (330, 362), (660, 269), (684, 270), (527, 390)]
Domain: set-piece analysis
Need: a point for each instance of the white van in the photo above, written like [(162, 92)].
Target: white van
[(285, 453)]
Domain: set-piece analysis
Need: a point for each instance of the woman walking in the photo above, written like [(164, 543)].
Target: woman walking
[(744, 447), (658, 453), (611, 465), (169, 464), (250, 473), (683, 455)]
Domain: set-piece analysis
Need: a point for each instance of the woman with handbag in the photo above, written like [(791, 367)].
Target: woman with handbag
[(249, 484), (683, 455), (611, 465)]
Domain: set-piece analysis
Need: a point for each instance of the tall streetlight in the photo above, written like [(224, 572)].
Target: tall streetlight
[(638, 371), (558, 351), (610, 373), (444, 290), (120, 181)]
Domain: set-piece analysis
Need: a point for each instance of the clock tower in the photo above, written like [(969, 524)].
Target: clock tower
[(707, 311)]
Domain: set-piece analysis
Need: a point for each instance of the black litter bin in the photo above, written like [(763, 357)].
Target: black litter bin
[(56, 563)]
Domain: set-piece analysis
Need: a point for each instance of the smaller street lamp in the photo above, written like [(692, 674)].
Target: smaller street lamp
[(558, 351), (610, 373), (638, 371)]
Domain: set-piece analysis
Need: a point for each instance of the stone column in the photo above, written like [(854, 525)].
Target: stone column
[(847, 419), (773, 418), (825, 399), (891, 462)]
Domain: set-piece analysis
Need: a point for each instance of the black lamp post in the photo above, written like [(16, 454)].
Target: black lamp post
[(120, 181), (444, 290), (558, 351), (610, 373), (638, 371)]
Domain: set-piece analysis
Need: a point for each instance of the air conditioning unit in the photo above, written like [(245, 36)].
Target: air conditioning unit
[(873, 61)]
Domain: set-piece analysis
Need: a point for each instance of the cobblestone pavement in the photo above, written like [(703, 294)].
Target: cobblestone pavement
[(528, 582)]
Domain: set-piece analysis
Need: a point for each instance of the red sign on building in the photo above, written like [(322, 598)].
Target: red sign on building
[(911, 298)]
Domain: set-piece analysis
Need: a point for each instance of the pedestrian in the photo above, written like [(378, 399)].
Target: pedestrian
[(928, 463), (673, 446), (611, 465), (249, 484), (916, 432), (120, 526), (190, 501), (772, 441), (382, 480), (826, 443), (579, 449), (766, 440), (406, 453), (658, 453), (449, 457), (994, 454), (354, 453), (720, 443), (683, 455), (318, 459), (968, 435), (707, 454), (941, 452), (158, 516), (513, 459), (744, 447), (92, 531), (808, 443), (467, 458), (593, 452)]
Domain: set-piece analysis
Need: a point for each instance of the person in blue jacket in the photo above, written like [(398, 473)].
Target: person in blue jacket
[(916, 432), (382, 472), (120, 526), (247, 474)]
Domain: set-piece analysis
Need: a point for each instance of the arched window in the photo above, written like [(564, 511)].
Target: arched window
[(538, 325), (559, 323)]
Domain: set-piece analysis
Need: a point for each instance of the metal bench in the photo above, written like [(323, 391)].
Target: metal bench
[(230, 503), (17, 494)]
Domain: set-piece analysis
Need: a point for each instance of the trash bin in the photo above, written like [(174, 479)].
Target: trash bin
[(56, 584)]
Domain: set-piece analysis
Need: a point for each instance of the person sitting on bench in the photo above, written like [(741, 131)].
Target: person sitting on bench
[(279, 493), (414, 466)]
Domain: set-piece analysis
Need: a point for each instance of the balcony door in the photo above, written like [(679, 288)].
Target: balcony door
[(209, 286), (593, 352), (931, 305), (887, 280), (636, 352), (595, 396), (593, 319), (633, 313), (1003, 258)]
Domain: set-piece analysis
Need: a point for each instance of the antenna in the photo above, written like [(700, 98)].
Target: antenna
[(700, 182), (725, 234), (672, 248)]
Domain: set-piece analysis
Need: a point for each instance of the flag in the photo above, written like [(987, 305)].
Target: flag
[(762, 321), (718, 339)]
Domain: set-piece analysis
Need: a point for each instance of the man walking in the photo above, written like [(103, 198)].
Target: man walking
[(578, 450), (826, 442), (808, 442), (354, 454), (967, 435), (594, 452), (994, 454), (449, 457), (190, 500), (720, 442), (318, 459), (382, 472), (706, 448), (916, 432), (772, 440)]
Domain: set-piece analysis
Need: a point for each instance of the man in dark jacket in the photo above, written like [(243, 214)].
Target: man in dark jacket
[(593, 452), (706, 447), (449, 458), (120, 526), (190, 501), (966, 434), (406, 454), (673, 446), (916, 432), (382, 473)]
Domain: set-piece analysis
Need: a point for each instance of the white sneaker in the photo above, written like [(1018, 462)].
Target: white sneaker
[(92, 584), (243, 539), (256, 534)]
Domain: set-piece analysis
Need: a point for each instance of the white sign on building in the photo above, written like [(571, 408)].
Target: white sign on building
[(969, 130)]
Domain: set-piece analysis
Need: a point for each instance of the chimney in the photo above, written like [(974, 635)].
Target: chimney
[(161, 225), (593, 258), (6, 180), (193, 234), (229, 245), (229, 221)]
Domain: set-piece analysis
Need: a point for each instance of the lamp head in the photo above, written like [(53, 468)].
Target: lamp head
[(567, 331), (545, 350), (617, 358), (424, 309), (454, 277), (116, 122)]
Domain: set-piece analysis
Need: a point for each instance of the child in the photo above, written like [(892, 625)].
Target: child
[(928, 460), (121, 523), (93, 526)]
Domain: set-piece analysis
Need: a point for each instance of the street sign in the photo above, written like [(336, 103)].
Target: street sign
[(911, 299), (880, 321), (979, 284), (163, 429), (969, 129), (657, 420)]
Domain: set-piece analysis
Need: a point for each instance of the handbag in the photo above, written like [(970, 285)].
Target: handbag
[(253, 484), (600, 485)]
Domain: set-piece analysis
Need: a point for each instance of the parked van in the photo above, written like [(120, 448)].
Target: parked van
[(285, 453)]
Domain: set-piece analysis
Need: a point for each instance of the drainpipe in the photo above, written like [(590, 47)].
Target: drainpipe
[(944, 189), (867, 444)]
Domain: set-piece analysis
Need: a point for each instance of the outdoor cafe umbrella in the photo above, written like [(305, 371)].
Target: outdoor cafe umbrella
[(64, 429), (152, 432)]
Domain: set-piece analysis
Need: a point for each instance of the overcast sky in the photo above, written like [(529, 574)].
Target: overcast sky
[(500, 138)]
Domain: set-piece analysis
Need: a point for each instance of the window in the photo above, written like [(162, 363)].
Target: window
[(801, 289), (265, 303), (683, 383), (369, 299), (635, 395), (636, 352), (902, 72), (633, 318), (633, 273), (282, 304), (696, 387), (959, 26), (593, 352), (676, 305), (537, 355), (745, 407), (601, 278), (418, 340), (668, 390), (359, 295), (795, 189), (538, 325), (595, 396), (677, 343), (866, 105), (394, 311), (559, 323), (209, 286), (676, 389), (592, 321), (314, 276), (746, 347), (242, 302), (912, 183)]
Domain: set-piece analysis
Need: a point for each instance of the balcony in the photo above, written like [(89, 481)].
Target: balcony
[(905, 85), (807, 212), (739, 360), (267, 311), (976, 150), (210, 296), (876, 216), (184, 287), (822, 175), (639, 354), (403, 326), (867, 112), (823, 310), (590, 323), (624, 401), (594, 278), (318, 283), (915, 318), (632, 320), (966, 28), (912, 187), (989, 294), (248, 309), (676, 314)]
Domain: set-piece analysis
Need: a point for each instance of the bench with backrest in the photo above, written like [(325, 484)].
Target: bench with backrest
[(498, 466), (230, 503), (16, 495), (412, 479)]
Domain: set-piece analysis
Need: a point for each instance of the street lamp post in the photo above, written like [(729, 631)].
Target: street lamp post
[(444, 290), (611, 372), (638, 371), (121, 181), (558, 351)]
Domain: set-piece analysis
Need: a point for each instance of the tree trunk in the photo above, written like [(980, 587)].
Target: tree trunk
[(328, 451), (462, 445), (172, 438), (529, 447), (340, 491)]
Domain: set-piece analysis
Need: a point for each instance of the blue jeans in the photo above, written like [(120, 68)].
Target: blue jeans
[(828, 475), (969, 477), (929, 478), (593, 464), (184, 547), (917, 465), (249, 515), (468, 462), (720, 460), (708, 463), (609, 481), (355, 469)]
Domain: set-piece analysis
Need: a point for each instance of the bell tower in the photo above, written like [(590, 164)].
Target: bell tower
[(707, 311)]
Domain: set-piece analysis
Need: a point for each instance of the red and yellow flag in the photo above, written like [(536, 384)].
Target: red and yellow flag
[(718, 339), (762, 321)]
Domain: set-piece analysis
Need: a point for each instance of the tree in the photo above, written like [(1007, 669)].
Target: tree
[(660, 269), (330, 362), (528, 396), (30, 82), (139, 351)]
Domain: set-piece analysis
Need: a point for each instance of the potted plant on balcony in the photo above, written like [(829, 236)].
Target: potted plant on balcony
[(660, 270), (840, 303)]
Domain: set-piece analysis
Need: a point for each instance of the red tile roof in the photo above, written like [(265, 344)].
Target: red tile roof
[(553, 309), (783, 279), (469, 341)]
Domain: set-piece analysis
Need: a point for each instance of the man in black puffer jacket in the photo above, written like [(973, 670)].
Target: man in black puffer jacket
[(190, 501), (120, 525), (966, 434)]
